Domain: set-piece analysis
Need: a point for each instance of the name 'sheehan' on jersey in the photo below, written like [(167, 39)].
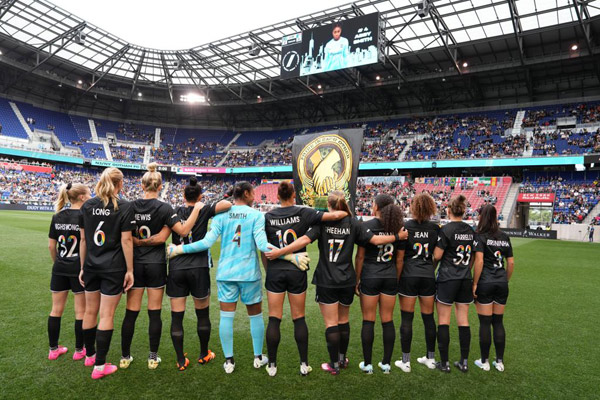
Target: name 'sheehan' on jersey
[(332, 230), (285, 221)]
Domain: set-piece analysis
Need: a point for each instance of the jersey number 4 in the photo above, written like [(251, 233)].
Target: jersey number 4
[(332, 242), (237, 237)]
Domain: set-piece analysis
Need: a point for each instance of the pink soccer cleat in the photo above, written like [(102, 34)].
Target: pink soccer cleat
[(328, 368), (59, 351), (90, 361), (108, 369), (78, 355)]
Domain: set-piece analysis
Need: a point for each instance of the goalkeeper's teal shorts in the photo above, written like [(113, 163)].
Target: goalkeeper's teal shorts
[(231, 292)]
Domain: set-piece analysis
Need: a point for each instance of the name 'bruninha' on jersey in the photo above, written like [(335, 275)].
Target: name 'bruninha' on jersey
[(285, 221), (497, 243)]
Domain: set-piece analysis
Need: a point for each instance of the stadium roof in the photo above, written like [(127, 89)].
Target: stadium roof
[(464, 53), (39, 23)]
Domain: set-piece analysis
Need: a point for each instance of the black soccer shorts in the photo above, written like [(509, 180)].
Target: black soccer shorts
[(284, 280), (149, 275), (377, 286), (457, 291), (108, 283), (416, 287), (60, 283), (194, 281), (488, 293), (343, 296)]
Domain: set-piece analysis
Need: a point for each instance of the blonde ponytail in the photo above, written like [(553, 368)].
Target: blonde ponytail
[(105, 188), (68, 194), (152, 179)]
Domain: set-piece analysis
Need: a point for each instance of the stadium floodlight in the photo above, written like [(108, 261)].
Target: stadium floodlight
[(465, 64), (258, 97), (377, 78), (80, 82), (423, 8), (574, 47), (254, 50), (139, 94), (192, 98), (319, 86), (0, 52)]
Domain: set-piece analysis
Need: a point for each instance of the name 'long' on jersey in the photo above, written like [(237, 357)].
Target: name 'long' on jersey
[(419, 247), (336, 246), (456, 239), (380, 261), (193, 260), (64, 228), (242, 232), (283, 225), (495, 249), (151, 215), (103, 227)]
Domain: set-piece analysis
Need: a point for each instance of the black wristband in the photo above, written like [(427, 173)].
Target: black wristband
[(396, 237)]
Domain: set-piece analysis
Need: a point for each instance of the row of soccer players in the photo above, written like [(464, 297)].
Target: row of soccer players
[(107, 266)]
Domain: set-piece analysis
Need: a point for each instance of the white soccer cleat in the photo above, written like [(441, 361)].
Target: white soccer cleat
[(428, 362), (124, 362), (403, 366), (153, 364), (367, 369), (271, 370), (305, 369), (386, 369), (261, 361), (483, 365), (498, 365), (229, 367)]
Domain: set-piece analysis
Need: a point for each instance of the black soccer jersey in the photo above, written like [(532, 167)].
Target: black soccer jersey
[(495, 249), (151, 215), (103, 227), (456, 239), (418, 255), (283, 225), (193, 260), (380, 261), (64, 228), (336, 246)]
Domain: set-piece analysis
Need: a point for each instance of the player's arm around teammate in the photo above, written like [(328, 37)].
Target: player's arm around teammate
[(63, 243), (454, 284), (377, 272), (283, 225), (490, 285), (106, 249), (418, 279)]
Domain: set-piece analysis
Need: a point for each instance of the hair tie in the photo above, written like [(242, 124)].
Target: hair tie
[(69, 186)]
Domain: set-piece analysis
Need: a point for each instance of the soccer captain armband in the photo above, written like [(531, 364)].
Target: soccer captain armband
[(300, 260)]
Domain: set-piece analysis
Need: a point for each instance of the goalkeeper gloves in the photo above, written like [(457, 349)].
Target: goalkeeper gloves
[(174, 251), (300, 260)]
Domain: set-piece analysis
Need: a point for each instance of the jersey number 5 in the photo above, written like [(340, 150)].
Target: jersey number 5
[(237, 238)]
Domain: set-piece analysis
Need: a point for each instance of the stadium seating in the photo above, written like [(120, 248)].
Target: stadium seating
[(9, 121), (53, 121)]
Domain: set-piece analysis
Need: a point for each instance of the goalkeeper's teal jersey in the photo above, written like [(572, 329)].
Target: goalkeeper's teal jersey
[(242, 231)]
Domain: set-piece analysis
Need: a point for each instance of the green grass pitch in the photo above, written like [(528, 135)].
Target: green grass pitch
[(551, 352)]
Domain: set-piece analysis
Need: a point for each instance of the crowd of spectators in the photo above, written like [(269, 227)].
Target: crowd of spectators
[(585, 114), (126, 153), (190, 152)]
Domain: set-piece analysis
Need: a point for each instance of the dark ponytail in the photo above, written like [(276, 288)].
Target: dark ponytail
[(458, 205), (488, 220), (192, 191), (241, 188), (285, 191), (391, 215)]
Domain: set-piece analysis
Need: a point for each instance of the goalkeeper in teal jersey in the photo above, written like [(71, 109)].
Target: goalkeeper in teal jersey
[(242, 232)]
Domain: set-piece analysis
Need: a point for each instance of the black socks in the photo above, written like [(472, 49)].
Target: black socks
[(464, 337), (332, 335), (53, 331), (89, 339), (406, 333), (78, 334), (367, 336), (429, 324), (127, 330), (344, 340), (443, 336), (499, 336), (203, 327), (301, 336), (177, 335), (103, 339), (273, 335), (389, 337), (154, 330), (485, 336)]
